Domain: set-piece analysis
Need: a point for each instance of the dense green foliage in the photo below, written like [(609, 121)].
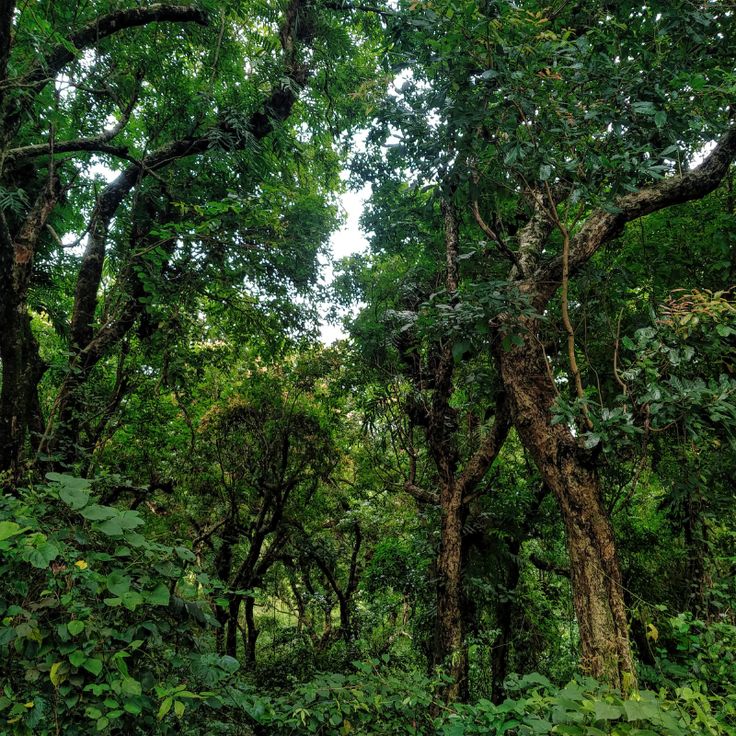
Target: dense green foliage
[(503, 503)]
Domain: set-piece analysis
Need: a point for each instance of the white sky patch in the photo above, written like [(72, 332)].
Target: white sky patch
[(346, 241)]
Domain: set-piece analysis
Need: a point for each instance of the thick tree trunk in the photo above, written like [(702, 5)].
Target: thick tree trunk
[(595, 575), (451, 650), (231, 636), (22, 369)]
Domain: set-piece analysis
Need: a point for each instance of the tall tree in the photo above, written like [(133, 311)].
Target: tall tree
[(544, 120)]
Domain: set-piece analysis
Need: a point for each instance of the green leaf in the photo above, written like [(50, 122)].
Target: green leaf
[(10, 529), (77, 657), (42, 557), (93, 665), (111, 527), (185, 554), (642, 710), (54, 674), (95, 512), (75, 627), (165, 707), (179, 708), (159, 596), (117, 583), (130, 686), (74, 497), (607, 711), (74, 492)]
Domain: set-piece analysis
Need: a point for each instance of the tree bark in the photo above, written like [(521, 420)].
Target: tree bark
[(451, 650), (22, 367), (568, 471), (252, 631)]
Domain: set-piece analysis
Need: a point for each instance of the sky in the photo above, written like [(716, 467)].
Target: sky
[(347, 240)]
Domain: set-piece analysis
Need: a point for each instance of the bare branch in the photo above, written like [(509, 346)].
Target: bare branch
[(488, 450), (505, 251)]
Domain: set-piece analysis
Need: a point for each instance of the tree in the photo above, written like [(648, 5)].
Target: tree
[(149, 225), (541, 119)]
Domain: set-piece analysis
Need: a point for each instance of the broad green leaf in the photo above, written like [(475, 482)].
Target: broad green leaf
[(165, 707), (93, 665), (95, 512), (10, 529), (159, 596), (118, 583), (43, 555), (75, 627)]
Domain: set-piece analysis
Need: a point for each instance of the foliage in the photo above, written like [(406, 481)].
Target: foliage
[(98, 620)]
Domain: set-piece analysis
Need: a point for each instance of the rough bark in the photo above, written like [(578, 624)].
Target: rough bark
[(565, 467), (569, 473), (252, 631), (22, 367)]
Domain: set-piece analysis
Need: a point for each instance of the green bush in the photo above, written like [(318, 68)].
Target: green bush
[(94, 636)]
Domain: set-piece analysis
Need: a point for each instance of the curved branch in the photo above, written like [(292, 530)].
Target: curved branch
[(505, 251), (94, 144), (105, 26), (49, 67), (604, 225), (488, 450)]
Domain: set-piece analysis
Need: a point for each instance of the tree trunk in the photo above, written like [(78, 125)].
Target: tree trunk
[(451, 650), (22, 369), (567, 471), (231, 636), (250, 623)]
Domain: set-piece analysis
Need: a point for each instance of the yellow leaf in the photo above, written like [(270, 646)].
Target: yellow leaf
[(54, 674), (652, 632), (29, 704), (81, 564)]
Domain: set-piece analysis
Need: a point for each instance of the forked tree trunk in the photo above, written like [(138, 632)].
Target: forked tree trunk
[(595, 574)]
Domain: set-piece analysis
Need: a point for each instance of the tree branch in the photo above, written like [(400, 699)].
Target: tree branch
[(7, 9), (604, 225), (488, 451), (49, 67), (95, 144), (362, 7), (107, 25), (505, 251), (420, 494)]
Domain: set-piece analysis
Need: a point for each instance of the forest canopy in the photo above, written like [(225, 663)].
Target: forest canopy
[(502, 502)]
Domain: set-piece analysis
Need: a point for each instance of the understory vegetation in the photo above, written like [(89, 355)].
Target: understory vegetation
[(502, 502)]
